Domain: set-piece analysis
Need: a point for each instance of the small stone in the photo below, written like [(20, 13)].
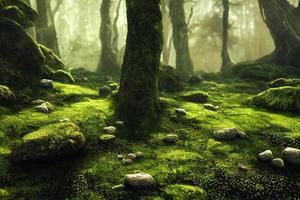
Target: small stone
[(226, 134), (278, 162), (42, 108), (127, 161), (242, 167), (86, 79), (291, 155), (46, 83), (208, 106), (131, 156), (105, 91), (120, 157), (120, 123), (171, 138), (266, 155), (242, 135), (139, 180), (113, 86), (180, 111), (107, 138), (139, 154), (38, 102), (110, 130)]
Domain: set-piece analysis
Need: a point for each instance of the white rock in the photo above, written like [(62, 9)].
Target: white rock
[(127, 161), (139, 180), (171, 138), (46, 83), (291, 155), (42, 108), (226, 134), (180, 111), (131, 156), (266, 155), (278, 162), (110, 130)]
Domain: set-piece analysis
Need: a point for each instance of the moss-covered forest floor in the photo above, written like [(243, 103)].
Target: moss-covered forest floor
[(195, 167)]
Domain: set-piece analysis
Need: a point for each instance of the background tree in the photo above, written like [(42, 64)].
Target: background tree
[(45, 26), (282, 20), (180, 37), (138, 101), (108, 62), (226, 60)]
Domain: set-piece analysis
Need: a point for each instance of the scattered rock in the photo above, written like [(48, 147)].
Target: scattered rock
[(266, 155), (49, 142), (85, 79), (211, 107), (6, 95), (195, 79), (38, 102), (139, 154), (120, 123), (42, 108), (278, 162), (242, 167), (107, 138), (171, 138), (196, 97), (180, 111), (120, 157), (46, 83), (291, 155), (127, 161), (131, 156), (139, 180), (113, 86), (228, 134), (105, 91), (110, 130)]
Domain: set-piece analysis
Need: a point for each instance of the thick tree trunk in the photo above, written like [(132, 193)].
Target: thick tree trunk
[(282, 20), (226, 60), (108, 62), (184, 62), (45, 27), (138, 101)]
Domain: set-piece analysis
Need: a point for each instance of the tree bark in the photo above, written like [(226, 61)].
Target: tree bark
[(282, 20), (166, 24), (45, 26), (138, 101), (108, 64), (184, 62), (115, 29), (226, 60)]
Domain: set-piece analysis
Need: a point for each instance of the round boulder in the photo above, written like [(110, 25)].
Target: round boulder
[(139, 180), (291, 155), (278, 162), (265, 155)]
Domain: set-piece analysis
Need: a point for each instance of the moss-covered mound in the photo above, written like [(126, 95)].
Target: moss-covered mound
[(284, 82), (283, 99), (185, 192), (169, 79), (49, 142), (195, 96), (51, 59), (261, 71), (6, 95)]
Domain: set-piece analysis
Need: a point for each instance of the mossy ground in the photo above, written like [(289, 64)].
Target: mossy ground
[(196, 167)]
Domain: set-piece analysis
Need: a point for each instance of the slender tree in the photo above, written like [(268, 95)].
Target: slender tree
[(45, 26), (180, 37), (138, 101), (226, 60), (282, 20), (115, 28), (108, 62)]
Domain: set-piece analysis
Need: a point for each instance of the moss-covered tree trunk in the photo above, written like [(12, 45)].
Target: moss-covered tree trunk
[(45, 26), (108, 62), (226, 60), (180, 37), (282, 20), (138, 101)]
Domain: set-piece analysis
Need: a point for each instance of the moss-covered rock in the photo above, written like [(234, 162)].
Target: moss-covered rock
[(169, 79), (49, 142), (6, 95), (195, 96), (283, 99), (284, 82), (185, 192), (20, 56), (51, 59)]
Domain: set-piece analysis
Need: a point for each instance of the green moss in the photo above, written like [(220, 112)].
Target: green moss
[(195, 96), (49, 142), (282, 99), (284, 82), (179, 155), (6, 95), (185, 192), (4, 193)]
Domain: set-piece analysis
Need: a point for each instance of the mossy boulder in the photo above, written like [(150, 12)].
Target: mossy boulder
[(6, 95), (284, 82), (185, 192), (282, 99), (20, 56), (51, 59), (169, 79), (49, 142), (195, 96)]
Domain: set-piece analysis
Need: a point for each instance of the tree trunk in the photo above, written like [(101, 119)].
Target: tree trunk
[(184, 62), (138, 101), (226, 60), (108, 64), (166, 25), (115, 29), (45, 27), (282, 20)]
